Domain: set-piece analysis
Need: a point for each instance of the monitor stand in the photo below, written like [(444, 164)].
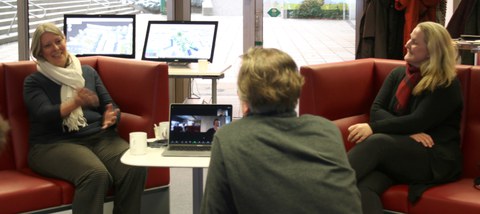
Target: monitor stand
[(179, 65)]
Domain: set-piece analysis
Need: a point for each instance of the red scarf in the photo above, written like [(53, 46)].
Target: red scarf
[(404, 90)]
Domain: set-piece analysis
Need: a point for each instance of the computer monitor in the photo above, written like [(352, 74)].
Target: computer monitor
[(100, 34), (180, 41)]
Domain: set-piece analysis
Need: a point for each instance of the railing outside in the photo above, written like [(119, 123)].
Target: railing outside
[(30, 4)]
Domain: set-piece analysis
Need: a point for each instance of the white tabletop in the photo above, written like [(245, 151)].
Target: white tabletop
[(154, 158), (214, 71)]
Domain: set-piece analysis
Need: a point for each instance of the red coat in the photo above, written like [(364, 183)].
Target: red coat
[(416, 11)]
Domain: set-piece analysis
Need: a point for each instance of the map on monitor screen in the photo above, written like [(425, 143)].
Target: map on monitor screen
[(180, 41), (110, 35)]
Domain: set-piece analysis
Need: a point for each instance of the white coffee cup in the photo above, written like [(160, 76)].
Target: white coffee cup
[(202, 65), (138, 143), (161, 131)]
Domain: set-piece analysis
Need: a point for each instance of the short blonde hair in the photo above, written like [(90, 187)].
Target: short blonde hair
[(36, 47), (439, 69), (268, 81)]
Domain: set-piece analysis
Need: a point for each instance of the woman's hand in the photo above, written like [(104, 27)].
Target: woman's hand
[(110, 116), (424, 139), (86, 97), (359, 132), (83, 98)]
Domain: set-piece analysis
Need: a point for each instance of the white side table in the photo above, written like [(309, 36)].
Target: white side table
[(154, 158)]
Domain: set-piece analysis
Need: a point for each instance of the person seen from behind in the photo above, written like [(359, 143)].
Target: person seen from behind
[(271, 160)]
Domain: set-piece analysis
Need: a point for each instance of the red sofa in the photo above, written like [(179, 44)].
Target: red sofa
[(343, 92), (139, 88)]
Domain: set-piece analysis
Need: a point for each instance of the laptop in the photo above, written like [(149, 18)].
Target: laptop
[(192, 127)]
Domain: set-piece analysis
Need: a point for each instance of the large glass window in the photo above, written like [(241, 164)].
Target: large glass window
[(8, 31), (40, 11), (311, 31), (323, 36), (328, 31), (229, 46), (228, 13)]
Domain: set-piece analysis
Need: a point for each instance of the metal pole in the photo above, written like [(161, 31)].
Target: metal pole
[(23, 31)]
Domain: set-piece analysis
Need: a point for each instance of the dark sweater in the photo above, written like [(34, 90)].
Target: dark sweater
[(42, 99), (436, 113), (280, 164)]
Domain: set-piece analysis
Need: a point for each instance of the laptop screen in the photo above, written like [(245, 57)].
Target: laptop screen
[(195, 124)]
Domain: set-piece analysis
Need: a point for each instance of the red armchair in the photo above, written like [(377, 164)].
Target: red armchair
[(139, 88), (343, 92)]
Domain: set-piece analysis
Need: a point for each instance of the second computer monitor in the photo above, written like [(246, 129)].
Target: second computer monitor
[(180, 41)]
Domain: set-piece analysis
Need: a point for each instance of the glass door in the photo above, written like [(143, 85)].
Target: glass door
[(228, 48), (311, 31)]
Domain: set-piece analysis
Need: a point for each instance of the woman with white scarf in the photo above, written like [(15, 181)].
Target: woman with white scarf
[(72, 128)]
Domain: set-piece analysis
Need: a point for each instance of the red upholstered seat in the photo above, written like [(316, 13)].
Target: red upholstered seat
[(343, 92), (456, 197), (140, 89), (20, 192)]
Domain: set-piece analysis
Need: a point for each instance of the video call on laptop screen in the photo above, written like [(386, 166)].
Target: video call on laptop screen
[(193, 124)]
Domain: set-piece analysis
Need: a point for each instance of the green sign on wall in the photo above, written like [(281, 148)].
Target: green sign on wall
[(273, 12)]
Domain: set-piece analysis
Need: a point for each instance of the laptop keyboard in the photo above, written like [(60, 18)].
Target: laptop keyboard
[(190, 148)]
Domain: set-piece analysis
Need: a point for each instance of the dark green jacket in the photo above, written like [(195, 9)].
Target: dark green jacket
[(280, 164)]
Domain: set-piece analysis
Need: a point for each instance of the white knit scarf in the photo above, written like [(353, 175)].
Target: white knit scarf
[(70, 78)]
